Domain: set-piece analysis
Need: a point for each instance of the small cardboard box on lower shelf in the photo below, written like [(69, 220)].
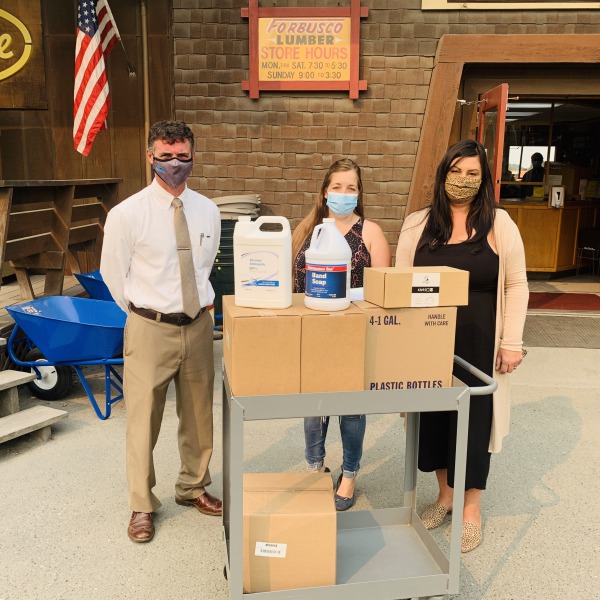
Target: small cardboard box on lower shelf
[(408, 348), (289, 531), (400, 287)]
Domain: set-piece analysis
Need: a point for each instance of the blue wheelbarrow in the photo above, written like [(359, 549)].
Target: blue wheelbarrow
[(64, 334), (94, 285)]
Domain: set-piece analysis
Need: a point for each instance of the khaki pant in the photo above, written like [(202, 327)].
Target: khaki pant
[(155, 354)]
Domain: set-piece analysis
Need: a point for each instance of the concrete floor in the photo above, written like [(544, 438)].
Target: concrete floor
[(63, 505)]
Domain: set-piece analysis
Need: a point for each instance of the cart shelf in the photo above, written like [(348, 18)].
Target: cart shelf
[(383, 554)]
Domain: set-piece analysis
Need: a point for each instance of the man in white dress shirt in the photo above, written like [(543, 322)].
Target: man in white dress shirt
[(141, 267)]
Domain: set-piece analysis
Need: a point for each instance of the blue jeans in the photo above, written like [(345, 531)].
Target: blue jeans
[(352, 428)]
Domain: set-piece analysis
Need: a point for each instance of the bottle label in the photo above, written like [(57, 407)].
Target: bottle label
[(260, 269), (326, 281)]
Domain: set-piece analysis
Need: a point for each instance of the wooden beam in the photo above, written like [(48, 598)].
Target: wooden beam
[(84, 233), (24, 282), (519, 48), (47, 260), (61, 221), (84, 212), (5, 206), (441, 102), (16, 249), (29, 222)]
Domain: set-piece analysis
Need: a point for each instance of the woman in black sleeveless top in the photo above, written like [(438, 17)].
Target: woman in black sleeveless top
[(340, 198), (458, 230)]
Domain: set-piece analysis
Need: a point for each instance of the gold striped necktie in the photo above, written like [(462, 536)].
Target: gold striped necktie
[(189, 289)]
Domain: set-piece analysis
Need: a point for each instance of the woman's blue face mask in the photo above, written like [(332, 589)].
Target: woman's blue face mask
[(341, 204)]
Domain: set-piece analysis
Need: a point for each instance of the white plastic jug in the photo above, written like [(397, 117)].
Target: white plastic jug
[(328, 266), (262, 261)]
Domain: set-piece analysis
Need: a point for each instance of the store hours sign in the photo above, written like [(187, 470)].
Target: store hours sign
[(304, 48)]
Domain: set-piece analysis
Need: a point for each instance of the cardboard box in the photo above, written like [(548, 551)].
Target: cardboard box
[(332, 353), (293, 350), (408, 348), (398, 287), (289, 531), (261, 349)]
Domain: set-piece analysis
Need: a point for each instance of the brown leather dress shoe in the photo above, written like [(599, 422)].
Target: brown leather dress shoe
[(141, 527), (206, 504)]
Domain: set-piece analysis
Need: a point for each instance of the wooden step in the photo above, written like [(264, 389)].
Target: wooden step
[(38, 419), (9, 395), (10, 378)]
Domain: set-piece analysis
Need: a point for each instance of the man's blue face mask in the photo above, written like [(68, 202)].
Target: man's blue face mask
[(341, 204)]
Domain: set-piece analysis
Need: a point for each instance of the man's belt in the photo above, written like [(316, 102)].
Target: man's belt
[(170, 318)]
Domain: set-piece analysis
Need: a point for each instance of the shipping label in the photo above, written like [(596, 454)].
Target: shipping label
[(425, 289), (270, 550)]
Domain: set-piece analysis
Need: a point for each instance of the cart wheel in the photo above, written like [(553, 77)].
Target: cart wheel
[(56, 382)]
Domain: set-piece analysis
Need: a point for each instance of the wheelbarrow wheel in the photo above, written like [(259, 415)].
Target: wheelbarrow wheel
[(56, 382)]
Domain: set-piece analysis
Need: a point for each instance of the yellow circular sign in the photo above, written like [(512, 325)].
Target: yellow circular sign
[(6, 53)]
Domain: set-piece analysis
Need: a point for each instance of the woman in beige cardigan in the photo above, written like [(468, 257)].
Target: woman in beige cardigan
[(464, 228)]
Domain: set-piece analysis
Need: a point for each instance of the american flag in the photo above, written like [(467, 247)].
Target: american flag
[(97, 33)]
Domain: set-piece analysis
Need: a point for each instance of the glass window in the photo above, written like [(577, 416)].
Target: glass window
[(551, 142)]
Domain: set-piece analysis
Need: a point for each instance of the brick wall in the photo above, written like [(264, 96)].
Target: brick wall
[(281, 145)]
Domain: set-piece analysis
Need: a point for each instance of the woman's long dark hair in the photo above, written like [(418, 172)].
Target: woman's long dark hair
[(482, 210)]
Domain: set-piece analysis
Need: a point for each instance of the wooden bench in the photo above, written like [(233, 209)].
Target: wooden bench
[(14, 422), (37, 419), (49, 226)]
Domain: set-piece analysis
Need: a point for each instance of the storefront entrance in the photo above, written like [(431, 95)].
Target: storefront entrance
[(550, 140)]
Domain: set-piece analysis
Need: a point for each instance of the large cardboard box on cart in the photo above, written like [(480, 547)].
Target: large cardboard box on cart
[(292, 350), (332, 351), (289, 531), (261, 349), (408, 348), (411, 325)]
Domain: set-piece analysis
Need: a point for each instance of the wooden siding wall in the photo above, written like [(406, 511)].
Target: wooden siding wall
[(38, 144), (280, 145)]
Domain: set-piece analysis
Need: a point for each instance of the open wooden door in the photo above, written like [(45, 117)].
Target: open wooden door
[(490, 130)]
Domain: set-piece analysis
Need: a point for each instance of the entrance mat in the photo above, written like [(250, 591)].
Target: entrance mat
[(550, 331), (554, 301)]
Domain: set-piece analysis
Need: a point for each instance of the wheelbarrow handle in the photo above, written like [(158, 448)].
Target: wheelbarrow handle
[(17, 361), (491, 385)]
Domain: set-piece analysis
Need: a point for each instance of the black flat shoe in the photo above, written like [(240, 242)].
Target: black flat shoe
[(342, 503)]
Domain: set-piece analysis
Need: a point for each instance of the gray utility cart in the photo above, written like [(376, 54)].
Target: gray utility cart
[(384, 554)]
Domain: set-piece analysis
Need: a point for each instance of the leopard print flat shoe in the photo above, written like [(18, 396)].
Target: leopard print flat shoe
[(471, 536), (434, 515)]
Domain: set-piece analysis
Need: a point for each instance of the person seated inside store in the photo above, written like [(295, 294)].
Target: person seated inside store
[(507, 190), (536, 173)]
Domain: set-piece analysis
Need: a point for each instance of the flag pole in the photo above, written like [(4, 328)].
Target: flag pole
[(146, 88), (130, 67)]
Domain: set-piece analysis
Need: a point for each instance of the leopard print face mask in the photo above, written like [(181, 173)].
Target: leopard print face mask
[(461, 190)]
